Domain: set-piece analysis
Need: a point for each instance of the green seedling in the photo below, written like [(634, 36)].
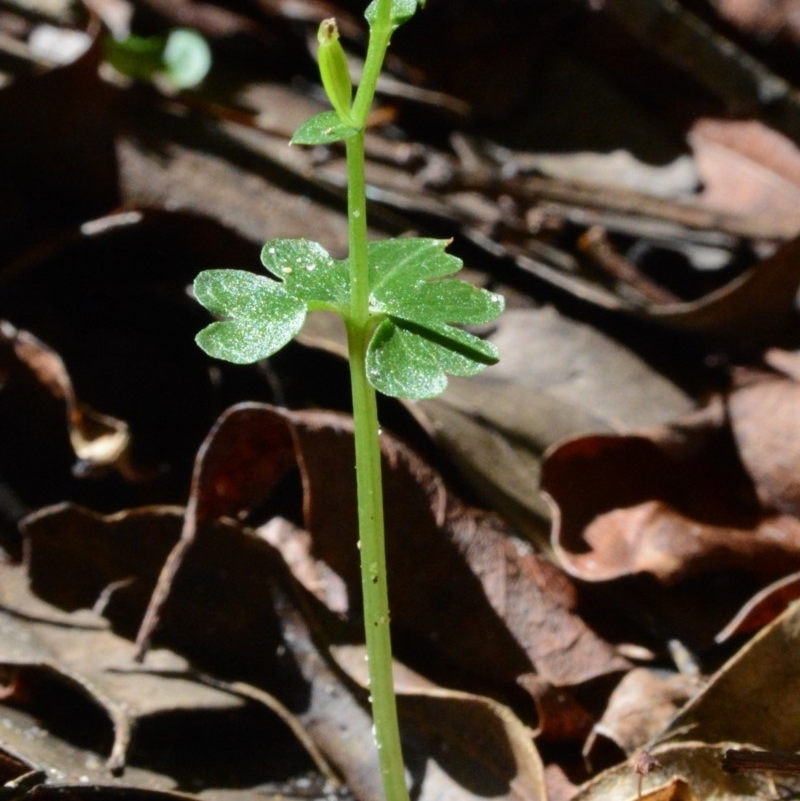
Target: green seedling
[(182, 58), (401, 310)]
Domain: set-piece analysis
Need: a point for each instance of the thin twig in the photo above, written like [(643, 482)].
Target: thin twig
[(596, 244), (744, 760)]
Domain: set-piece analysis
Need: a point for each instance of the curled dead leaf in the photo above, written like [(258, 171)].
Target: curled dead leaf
[(640, 707), (463, 592), (753, 308), (767, 604), (452, 564), (675, 501), (98, 440)]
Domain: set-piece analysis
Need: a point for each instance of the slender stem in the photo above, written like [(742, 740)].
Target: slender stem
[(374, 575), (379, 36), (357, 230), (374, 579)]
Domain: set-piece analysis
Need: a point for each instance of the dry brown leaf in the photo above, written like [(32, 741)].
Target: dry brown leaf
[(460, 725), (229, 621), (765, 420), (556, 378), (763, 607), (619, 169), (99, 441), (593, 375), (224, 621), (234, 611), (677, 502), (449, 564), (475, 748), (461, 587), (77, 651), (687, 771), (752, 698), (752, 309), (746, 167), (640, 707)]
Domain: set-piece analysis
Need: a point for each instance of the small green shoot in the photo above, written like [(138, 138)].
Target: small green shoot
[(182, 58), (402, 311)]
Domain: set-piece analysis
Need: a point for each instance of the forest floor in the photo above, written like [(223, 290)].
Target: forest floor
[(594, 546)]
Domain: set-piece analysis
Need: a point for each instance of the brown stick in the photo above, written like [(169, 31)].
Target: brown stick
[(742, 760), (597, 246)]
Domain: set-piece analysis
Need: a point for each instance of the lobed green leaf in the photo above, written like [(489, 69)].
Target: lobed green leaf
[(470, 354), (323, 129), (413, 302), (408, 281), (308, 273), (417, 344), (397, 264), (405, 362), (259, 316)]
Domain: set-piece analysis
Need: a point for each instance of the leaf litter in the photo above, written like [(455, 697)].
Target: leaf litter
[(649, 376)]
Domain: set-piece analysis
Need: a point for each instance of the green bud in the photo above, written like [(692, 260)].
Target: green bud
[(333, 69)]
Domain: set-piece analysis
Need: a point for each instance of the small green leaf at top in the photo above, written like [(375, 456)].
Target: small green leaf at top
[(417, 343), (323, 129), (402, 11)]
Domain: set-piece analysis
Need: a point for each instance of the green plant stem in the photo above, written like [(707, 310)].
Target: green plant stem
[(379, 36), (374, 578)]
